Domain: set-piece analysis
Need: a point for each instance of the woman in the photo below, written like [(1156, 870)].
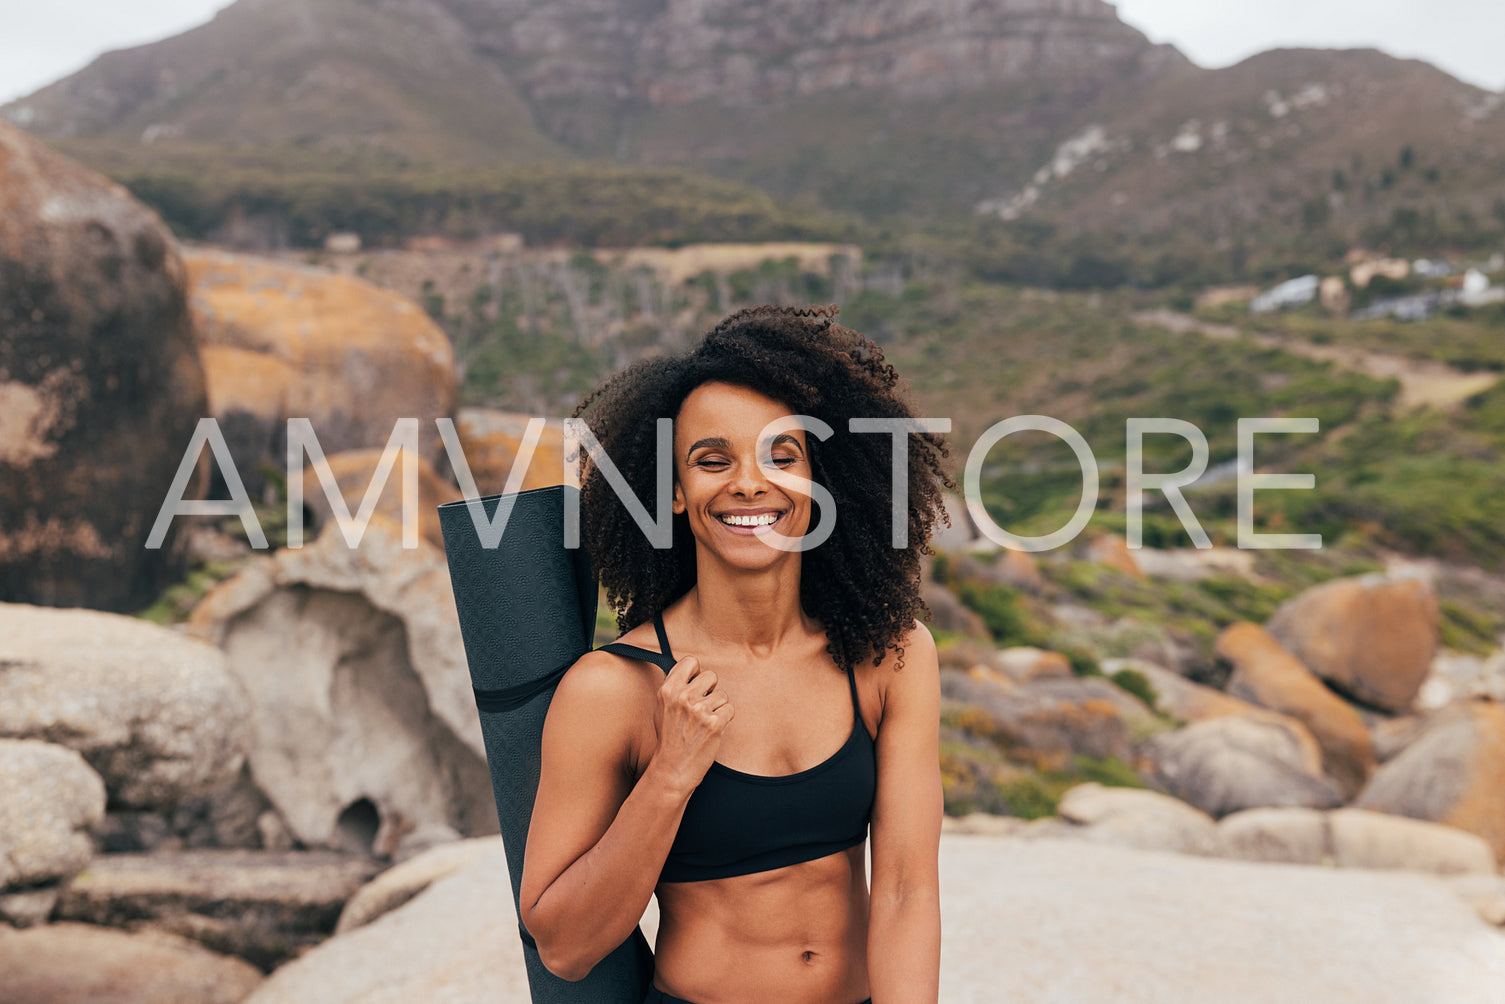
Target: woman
[(713, 771)]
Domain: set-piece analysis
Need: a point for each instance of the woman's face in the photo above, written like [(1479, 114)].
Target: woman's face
[(720, 485)]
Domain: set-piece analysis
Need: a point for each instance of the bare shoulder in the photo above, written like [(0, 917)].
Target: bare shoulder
[(600, 679), (915, 682), (919, 643)]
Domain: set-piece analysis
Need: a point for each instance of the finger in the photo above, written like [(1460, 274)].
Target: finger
[(682, 671), (708, 704)]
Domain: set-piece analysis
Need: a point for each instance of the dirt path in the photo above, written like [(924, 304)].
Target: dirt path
[(1424, 383)]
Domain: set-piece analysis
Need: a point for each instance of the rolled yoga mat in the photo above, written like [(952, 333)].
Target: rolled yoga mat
[(527, 611)]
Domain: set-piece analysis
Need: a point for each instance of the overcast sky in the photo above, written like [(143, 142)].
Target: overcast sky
[(42, 40)]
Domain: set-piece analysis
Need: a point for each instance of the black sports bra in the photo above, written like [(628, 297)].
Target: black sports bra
[(737, 823)]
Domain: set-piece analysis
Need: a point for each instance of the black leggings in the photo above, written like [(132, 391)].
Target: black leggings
[(657, 996)]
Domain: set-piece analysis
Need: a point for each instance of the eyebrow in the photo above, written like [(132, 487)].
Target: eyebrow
[(720, 443)]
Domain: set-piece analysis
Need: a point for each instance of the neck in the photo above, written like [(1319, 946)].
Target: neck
[(751, 610)]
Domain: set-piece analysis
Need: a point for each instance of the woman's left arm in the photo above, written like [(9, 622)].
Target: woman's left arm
[(904, 923)]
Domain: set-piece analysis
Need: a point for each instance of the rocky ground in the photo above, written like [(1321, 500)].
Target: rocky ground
[(1027, 919)]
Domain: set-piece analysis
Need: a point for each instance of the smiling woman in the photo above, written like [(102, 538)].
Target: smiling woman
[(738, 774)]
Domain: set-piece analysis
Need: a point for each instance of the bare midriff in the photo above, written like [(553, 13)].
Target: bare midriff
[(796, 934)]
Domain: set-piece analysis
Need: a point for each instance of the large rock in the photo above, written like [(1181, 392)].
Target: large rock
[(1371, 636), (284, 342), (947, 613), (79, 962), (366, 733), (400, 883), (1135, 817), (49, 800), (1233, 762), (1050, 719), (100, 385), (1113, 551), (1365, 839), (158, 715), (1023, 663), (1290, 834), (492, 440), (1268, 675), (1354, 838), (354, 472), (1181, 698), (264, 908), (1453, 772)]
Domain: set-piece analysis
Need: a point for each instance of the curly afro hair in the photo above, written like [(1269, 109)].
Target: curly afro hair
[(863, 591)]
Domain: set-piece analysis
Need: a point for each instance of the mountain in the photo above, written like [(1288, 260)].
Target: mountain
[(1039, 127)]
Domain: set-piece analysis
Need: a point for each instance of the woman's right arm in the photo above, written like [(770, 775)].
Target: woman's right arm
[(598, 840)]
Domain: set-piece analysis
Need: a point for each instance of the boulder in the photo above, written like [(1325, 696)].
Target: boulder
[(264, 908), (492, 439), (1290, 834), (1190, 701), (231, 817), (1049, 720), (1391, 734), (1268, 675), (1023, 663), (281, 341), (157, 714), (1372, 637), (400, 883), (28, 907), (1234, 762), (79, 962), (354, 472), (49, 800), (1365, 839), (947, 613), (1113, 551), (100, 385), (366, 734), (1453, 773), (1135, 817), (1020, 570)]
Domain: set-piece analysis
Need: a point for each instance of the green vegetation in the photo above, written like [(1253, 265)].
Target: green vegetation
[(580, 205), (177, 601), (1136, 683)]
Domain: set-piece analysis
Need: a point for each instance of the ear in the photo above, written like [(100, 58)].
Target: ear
[(679, 499)]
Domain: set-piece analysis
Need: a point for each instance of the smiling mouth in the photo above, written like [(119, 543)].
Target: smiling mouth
[(759, 519)]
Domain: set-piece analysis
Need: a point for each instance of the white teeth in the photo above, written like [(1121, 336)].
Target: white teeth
[(761, 520)]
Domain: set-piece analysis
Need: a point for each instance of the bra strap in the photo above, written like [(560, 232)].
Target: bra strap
[(659, 659), (663, 637)]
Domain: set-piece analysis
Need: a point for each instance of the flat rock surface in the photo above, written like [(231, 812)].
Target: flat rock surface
[(1023, 921), (80, 962), (1048, 921)]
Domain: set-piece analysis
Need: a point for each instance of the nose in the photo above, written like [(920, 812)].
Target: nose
[(750, 481)]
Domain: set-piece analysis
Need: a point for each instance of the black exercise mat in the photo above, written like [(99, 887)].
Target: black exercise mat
[(527, 611)]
